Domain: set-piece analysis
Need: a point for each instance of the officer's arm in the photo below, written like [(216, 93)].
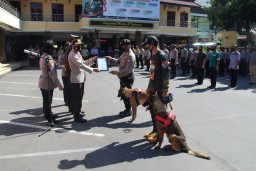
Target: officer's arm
[(79, 64)]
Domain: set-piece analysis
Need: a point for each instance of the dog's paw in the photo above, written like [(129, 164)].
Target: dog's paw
[(131, 121)]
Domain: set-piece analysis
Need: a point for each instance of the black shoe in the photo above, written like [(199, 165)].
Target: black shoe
[(80, 119), (125, 114), (81, 114), (146, 69), (55, 116), (54, 121), (210, 87), (197, 83), (251, 83), (122, 112)]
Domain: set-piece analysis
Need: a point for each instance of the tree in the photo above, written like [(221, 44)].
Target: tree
[(233, 15)]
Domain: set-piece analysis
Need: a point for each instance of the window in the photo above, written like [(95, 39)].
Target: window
[(36, 10), (170, 18), (78, 12), (57, 12), (183, 19)]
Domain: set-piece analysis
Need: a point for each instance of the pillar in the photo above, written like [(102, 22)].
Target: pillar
[(138, 38), (3, 46)]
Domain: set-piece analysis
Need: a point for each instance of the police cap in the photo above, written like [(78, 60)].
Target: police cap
[(125, 42)]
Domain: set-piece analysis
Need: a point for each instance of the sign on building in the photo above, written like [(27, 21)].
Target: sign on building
[(122, 9)]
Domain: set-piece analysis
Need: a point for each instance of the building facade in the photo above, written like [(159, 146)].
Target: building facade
[(31, 22)]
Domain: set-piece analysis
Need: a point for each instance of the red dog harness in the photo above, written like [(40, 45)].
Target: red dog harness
[(167, 121)]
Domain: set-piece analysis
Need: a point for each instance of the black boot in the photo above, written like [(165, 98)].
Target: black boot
[(78, 117), (125, 113)]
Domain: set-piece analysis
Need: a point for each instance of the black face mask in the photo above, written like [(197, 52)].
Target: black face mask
[(77, 48), (200, 50), (122, 48)]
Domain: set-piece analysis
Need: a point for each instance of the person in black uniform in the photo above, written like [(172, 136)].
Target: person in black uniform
[(159, 77), (200, 65)]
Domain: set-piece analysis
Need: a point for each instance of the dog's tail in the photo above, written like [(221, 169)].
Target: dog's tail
[(198, 154)]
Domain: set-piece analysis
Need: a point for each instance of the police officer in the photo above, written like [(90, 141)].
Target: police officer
[(68, 71), (125, 72), (77, 78), (48, 80), (159, 77), (64, 73)]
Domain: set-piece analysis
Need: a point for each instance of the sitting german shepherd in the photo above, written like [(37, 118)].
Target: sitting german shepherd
[(166, 123), (137, 97)]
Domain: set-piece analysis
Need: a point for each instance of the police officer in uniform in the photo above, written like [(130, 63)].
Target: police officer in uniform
[(77, 78), (48, 80), (159, 77), (68, 71), (125, 72)]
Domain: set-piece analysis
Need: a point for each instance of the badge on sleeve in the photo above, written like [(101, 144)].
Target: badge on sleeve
[(165, 64)]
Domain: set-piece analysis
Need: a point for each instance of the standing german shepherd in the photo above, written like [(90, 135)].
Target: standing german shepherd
[(137, 97), (166, 123)]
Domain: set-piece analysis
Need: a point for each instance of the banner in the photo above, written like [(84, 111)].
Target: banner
[(122, 9)]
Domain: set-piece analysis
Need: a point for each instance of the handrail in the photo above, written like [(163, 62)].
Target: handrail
[(8, 7)]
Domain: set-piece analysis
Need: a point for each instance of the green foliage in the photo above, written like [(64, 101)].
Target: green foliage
[(232, 14)]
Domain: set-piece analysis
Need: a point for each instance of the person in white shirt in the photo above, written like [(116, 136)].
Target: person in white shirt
[(85, 53), (234, 66), (173, 57)]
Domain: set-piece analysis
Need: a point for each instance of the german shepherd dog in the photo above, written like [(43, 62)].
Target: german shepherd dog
[(169, 125), (136, 97)]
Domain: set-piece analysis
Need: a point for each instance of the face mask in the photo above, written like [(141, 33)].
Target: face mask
[(77, 48), (200, 50), (123, 48)]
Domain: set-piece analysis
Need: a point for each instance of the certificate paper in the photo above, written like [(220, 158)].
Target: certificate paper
[(102, 64)]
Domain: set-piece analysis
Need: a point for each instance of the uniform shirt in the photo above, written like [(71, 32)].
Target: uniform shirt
[(61, 64), (52, 74), (252, 59), (126, 63), (78, 67), (166, 51), (193, 55), (142, 53), (159, 72), (223, 55), (234, 60), (147, 54), (174, 55), (85, 52), (184, 53), (214, 57)]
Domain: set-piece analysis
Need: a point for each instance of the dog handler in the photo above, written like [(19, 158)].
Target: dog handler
[(159, 77), (125, 72)]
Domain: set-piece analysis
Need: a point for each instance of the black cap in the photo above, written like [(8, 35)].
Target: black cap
[(150, 40), (125, 42)]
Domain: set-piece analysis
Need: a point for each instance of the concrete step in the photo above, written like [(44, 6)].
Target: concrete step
[(5, 68)]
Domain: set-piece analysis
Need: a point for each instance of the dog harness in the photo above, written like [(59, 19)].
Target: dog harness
[(135, 93), (168, 121)]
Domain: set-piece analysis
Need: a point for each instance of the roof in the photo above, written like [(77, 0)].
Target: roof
[(181, 3)]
